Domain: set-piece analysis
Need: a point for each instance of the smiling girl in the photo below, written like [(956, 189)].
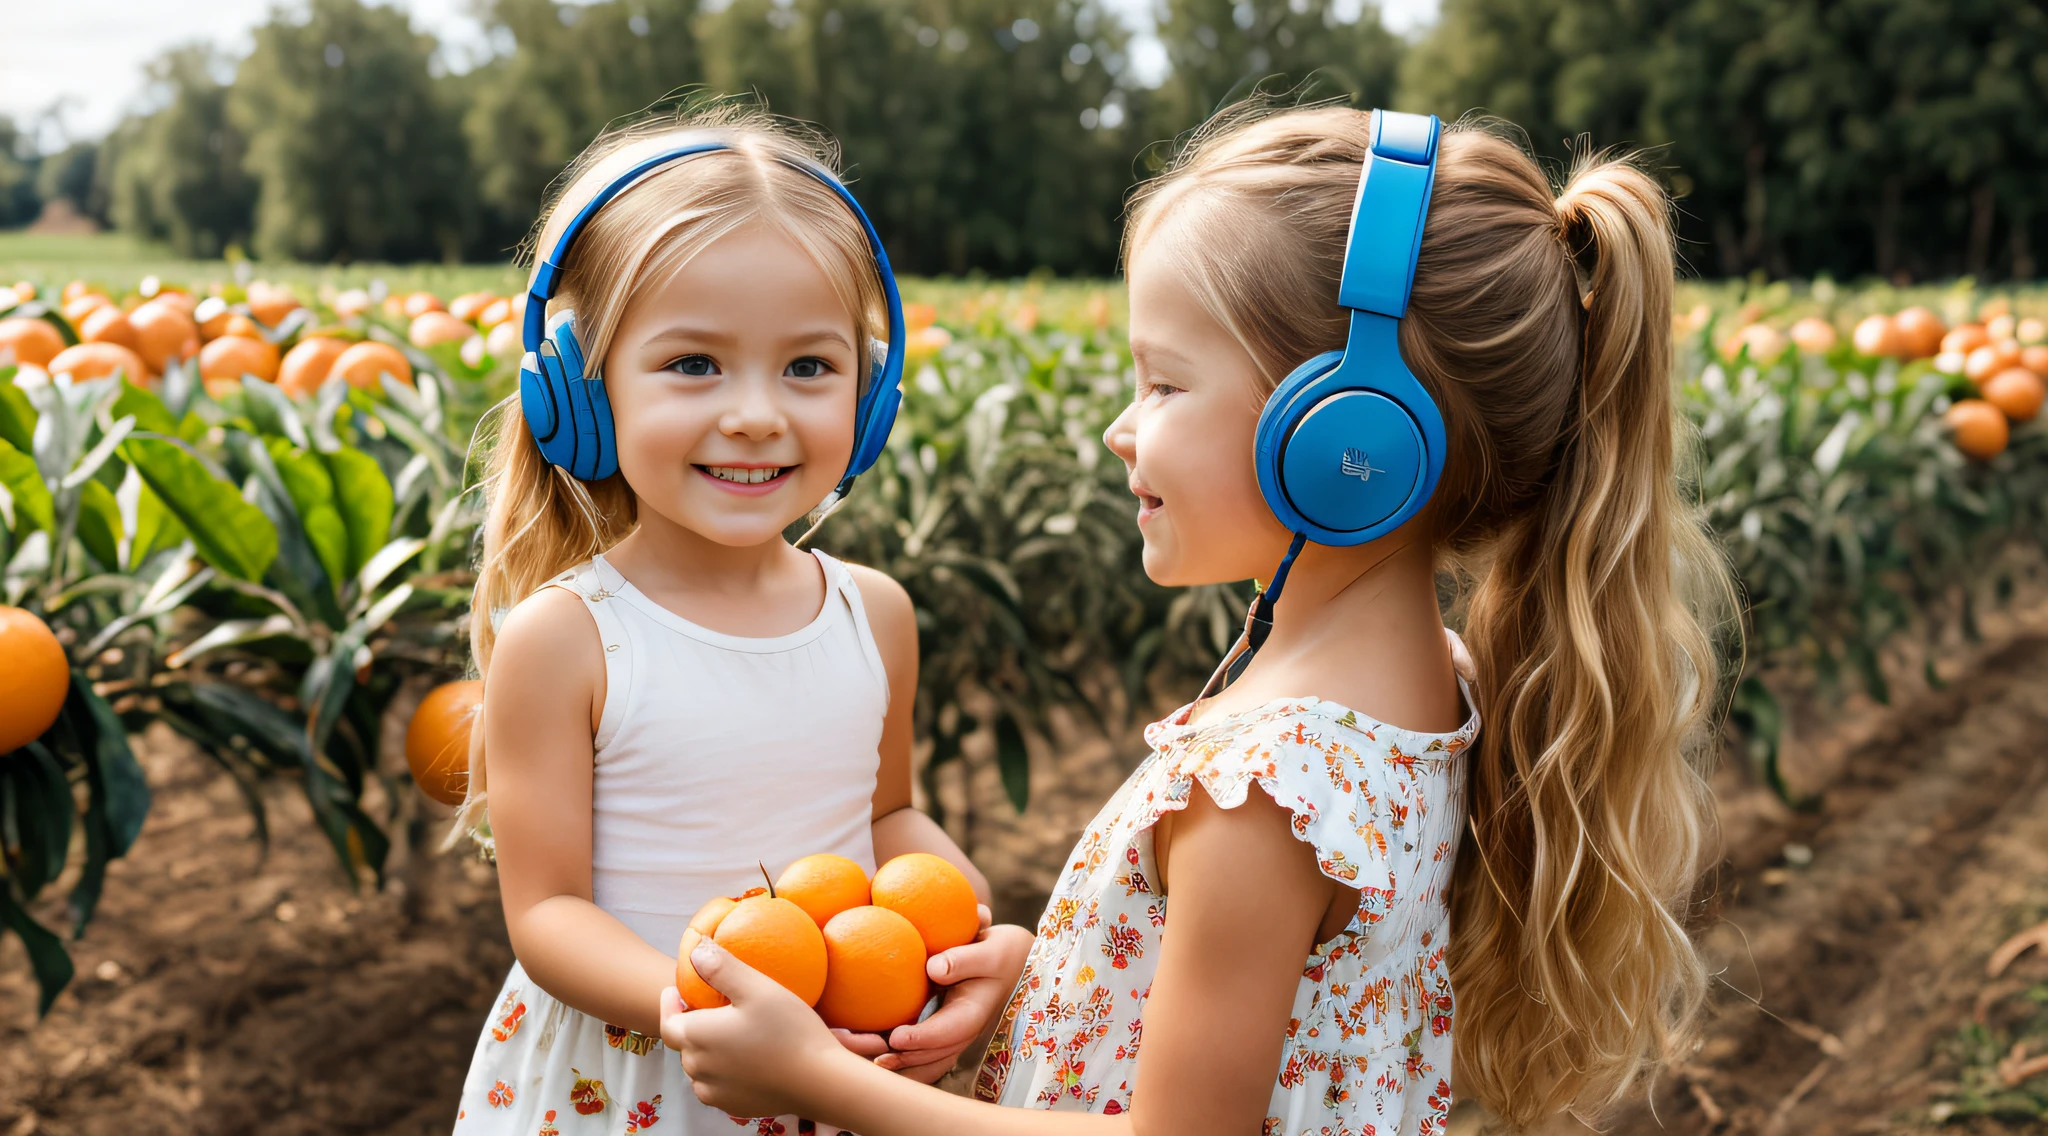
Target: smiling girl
[(674, 694), (1327, 878)]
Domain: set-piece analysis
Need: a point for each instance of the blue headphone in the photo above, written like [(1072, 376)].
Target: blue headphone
[(565, 404), (1349, 446)]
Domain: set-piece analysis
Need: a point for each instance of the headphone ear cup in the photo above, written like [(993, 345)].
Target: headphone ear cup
[(539, 401)]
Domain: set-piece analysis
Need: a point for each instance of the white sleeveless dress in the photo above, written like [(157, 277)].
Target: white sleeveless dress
[(711, 751)]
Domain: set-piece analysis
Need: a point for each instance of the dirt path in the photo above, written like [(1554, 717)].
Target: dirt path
[(1852, 942)]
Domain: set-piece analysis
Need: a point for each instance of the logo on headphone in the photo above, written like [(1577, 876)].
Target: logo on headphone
[(1354, 464)]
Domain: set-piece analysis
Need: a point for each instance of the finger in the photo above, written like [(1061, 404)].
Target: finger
[(728, 975), (987, 918), (951, 1027), (869, 1045), (975, 960), (930, 1072)]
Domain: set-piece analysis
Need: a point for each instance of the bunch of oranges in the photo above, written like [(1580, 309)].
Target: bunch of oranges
[(853, 948)]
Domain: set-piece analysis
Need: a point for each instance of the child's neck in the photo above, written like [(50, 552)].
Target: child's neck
[(754, 590), (1360, 627)]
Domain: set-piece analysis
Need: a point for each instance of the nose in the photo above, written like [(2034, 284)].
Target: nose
[(756, 411), (1122, 435)]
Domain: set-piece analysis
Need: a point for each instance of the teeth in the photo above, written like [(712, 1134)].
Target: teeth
[(744, 476)]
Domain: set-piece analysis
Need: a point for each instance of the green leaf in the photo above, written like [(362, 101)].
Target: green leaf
[(312, 492), (39, 814), (99, 524), (17, 418), (147, 409), (33, 507), (273, 413), (363, 495), (297, 572), (1013, 761), (127, 793), (155, 526), (46, 954), (229, 533)]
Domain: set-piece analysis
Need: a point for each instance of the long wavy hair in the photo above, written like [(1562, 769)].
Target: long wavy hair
[(540, 520), (1540, 322)]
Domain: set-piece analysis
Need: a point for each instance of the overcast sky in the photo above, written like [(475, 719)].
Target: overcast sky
[(84, 58)]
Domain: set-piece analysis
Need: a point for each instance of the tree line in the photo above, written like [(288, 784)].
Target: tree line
[(1902, 138)]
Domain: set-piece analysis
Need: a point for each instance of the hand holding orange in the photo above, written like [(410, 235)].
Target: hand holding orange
[(859, 953)]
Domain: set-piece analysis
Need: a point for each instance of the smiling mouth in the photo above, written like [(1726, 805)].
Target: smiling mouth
[(746, 475)]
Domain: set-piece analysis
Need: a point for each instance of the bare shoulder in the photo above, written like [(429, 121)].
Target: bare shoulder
[(889, 610), (548, 640)]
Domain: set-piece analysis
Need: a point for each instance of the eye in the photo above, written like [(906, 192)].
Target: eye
[(1151, 387), (695, 365), (809, 367)]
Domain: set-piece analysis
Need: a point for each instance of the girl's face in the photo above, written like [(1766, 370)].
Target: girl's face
[(1187, 436), (732, 388)]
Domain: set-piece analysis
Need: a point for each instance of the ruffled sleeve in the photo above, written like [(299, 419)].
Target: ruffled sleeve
[(1360, 793)]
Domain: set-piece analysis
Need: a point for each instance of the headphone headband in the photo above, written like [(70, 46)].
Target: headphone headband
[(1387, 214)]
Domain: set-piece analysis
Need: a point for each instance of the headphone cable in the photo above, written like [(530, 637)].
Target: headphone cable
[(1258, 624)]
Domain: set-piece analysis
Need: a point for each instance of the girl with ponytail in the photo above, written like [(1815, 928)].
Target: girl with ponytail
[(1330, 895)]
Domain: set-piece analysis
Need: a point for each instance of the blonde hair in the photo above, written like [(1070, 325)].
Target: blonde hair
[(541, 521), (1540, 322)]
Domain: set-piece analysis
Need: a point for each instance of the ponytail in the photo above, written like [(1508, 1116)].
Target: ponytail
[(1589, 815)]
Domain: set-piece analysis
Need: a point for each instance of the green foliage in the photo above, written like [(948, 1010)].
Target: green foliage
[(1890, 136), (1221, 50), (177, 175), (356, 152)]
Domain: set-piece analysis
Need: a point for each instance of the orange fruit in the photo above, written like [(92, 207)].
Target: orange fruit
[(271, 305), (874, 971), (1980, 428), (1814, 336), (30, 340), (437, 740), (1990, 359), (110, 325), (97, 360), (1920, 332), (917, 317), (362, 363), (420, 303), (2001, 326), (823, 885), (172, 298), (232, 356), (770, 934), (212, 316), (76, 310), (163, 333), (2015, 391), (469, 306), (933, 894), (503, 343), (243, 326), (34, 673), (1876, 336), (74, 290), (24, 291), (352, 303), (2033, 329), (1965, 338), (494, 313), (430, 328), (2035, 359), (307, 366)]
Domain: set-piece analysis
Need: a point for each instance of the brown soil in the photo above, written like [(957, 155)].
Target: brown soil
[(223, 992)]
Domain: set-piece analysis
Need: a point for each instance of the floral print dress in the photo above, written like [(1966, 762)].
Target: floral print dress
[(1368, 1046)]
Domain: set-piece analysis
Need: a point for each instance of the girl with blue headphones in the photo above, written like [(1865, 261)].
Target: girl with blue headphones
[(1371, 355), (675, 697)]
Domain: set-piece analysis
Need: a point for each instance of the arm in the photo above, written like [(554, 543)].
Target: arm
[(980, 975), (542, 699), (899, 828), (1247, 899)]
